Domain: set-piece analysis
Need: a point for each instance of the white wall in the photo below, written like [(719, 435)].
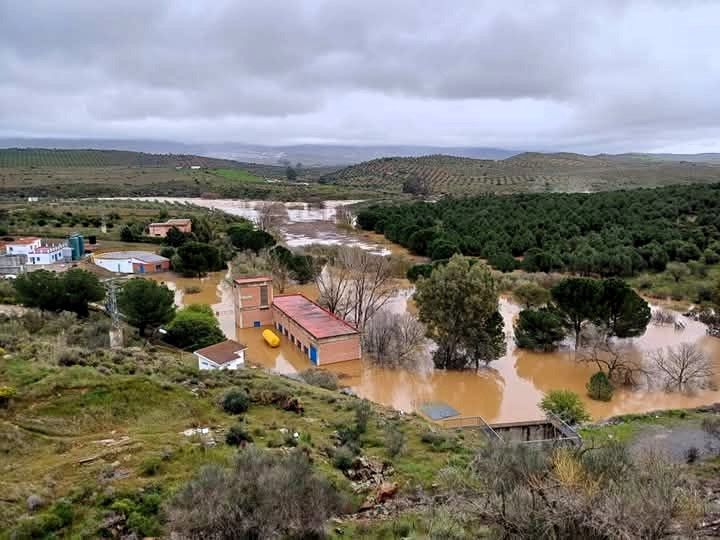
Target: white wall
[(46, 258), (124, 266), (207, 364)]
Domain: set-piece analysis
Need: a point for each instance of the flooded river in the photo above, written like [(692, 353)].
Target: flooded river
[(508, 390)]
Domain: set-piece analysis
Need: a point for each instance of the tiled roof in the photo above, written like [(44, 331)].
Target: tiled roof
[(222, 353), (24, 241), (313, 318)]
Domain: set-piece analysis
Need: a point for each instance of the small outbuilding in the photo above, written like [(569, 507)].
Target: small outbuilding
[(132, 262), (161, 229), (225, 355)]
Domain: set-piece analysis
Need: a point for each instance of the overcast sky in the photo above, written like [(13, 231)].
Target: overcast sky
[(586, 76)]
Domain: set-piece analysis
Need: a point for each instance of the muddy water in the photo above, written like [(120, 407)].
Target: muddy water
[(508, 390)]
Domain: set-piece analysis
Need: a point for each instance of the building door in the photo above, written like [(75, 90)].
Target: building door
[(313, 355)]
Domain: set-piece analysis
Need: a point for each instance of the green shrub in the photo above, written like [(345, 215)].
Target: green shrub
[(599, 387), (6, 394), (237, 436), (151, 466), (566, 404), (363, 411), (419, 270), (394, 440), (236, 401), (321, 378), (343, 457)]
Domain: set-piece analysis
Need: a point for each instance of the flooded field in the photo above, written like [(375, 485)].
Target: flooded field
[(508, 390), (304, 223)]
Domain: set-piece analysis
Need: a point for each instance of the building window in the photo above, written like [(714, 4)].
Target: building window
[(264, 295), (158, 267)]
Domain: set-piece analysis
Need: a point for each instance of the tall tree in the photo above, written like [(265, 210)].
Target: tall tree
[(621, 310), (458, 304), (539, 329), (80, 288), (51, 291), (577, 299), (145, 303), (194, 327), (197, 259)]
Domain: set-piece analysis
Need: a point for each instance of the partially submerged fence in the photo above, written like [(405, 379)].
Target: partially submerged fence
[(551, 430)]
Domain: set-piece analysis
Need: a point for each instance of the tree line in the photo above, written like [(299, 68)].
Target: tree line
[(617, 233)]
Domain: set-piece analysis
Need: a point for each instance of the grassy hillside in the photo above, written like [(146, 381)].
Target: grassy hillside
[(98, 443), (528, 172), (92, 432)]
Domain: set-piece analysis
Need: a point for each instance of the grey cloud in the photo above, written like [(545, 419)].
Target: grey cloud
[(620, 75)]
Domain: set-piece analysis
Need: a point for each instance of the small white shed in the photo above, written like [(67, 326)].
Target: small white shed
[(225, 355)]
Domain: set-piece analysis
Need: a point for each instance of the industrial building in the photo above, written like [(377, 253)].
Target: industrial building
[(322, 337), (132, 262)]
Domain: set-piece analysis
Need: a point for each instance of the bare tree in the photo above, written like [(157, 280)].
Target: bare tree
[(683, 368), (355, 284), (615, 359), (279, 271), (270, 216), (373, 283), (248, 264), (395, 339), (334, 283)]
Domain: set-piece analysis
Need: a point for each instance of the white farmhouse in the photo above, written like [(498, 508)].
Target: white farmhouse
[(226, 355), (36, 251)]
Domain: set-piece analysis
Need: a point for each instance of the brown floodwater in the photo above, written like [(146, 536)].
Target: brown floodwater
[(508, 390)]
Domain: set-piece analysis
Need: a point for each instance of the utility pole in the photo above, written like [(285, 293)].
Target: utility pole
[(116, 334)]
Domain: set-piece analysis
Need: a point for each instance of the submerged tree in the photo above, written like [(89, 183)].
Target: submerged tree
[(395, 339), (683, 368), (578, 300), (458, 304), (356, 284), (539, 329)]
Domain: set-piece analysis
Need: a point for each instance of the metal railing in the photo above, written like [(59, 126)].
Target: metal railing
[(465, 422)]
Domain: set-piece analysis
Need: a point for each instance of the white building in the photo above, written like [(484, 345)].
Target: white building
[(132, 262), (36, 251), (226, 355)]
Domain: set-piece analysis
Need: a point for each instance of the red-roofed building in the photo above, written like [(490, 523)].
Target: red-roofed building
[(322, 336)]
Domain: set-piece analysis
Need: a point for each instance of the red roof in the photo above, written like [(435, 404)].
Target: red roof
[(252, 279), (316, 320), (25, 240), (223, 352)]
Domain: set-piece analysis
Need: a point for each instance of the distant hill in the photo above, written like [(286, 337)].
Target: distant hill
[(526, 172), (310, 155), (43, 157)]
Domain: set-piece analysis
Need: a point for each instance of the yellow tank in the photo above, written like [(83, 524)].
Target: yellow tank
[(271, 338)]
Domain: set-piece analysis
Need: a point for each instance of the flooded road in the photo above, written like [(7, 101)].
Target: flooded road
[(508, 390)]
